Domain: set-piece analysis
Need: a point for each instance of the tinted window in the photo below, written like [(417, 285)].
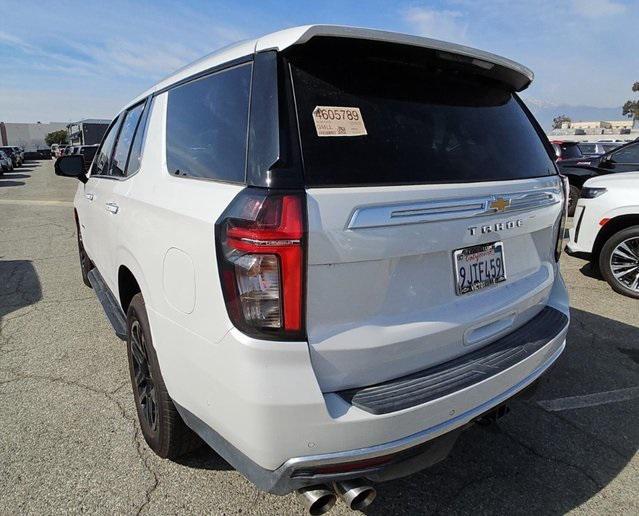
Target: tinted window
[(103, 156), (424, 120), (206, 127), (570, 150), (629, 154), (130, 123), (133, 165), (588, 147)]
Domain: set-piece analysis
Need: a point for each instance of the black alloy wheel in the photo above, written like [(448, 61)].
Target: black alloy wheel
[(143, 378), (619, 262), (162, 427)]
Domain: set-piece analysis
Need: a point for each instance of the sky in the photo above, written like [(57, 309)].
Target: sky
[(67, 60)]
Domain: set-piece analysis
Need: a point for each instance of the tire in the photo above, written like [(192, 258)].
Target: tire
[(162, 427), (85, 262), (573, 197), (621, 251)]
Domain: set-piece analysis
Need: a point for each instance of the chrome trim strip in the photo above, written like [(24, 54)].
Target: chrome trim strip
[(270, 243), (450, 209), (427, 434)]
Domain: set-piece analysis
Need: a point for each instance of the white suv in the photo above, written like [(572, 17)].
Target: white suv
[(329, 250), (607, 229)]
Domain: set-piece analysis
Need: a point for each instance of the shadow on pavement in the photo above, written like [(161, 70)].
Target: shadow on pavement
[(591, 270), (204, 458), (10, 183), (12, 175), (19, 285)]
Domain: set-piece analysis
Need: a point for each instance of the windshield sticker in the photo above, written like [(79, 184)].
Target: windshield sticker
[(338, 121)]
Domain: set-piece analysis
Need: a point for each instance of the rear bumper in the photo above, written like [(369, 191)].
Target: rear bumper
[(411, 453), (463, 372), (278, 428)]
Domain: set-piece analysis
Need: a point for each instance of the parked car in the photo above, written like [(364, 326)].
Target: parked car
[(595, 149), (624, 158), (19, 153), (44, 153), (566, 150), (31, 155), (6, 165), (336, 297), (15, 158), (607, 229), (568, 153)]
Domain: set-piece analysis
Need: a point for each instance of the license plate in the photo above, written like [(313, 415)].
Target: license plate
[(479, 266)]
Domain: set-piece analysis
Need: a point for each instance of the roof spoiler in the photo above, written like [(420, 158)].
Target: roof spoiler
[(514, 74)]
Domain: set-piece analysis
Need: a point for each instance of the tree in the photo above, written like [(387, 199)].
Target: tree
[(631, 107), (59, 137), (558, 120)]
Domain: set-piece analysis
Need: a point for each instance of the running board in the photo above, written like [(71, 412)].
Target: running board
[(111, 307)]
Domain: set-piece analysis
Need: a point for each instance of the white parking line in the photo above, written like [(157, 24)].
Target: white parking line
[(589, 400), (28, 202)]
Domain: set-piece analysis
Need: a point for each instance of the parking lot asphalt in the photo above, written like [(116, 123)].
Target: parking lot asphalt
[(69, 438)]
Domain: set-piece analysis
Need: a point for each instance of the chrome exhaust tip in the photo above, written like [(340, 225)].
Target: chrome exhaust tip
[(317, 499), (357, 494)]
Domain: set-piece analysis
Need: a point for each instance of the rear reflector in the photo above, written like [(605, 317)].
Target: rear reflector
[(261, 261), (603, 222), (561, 223), (346, 467)]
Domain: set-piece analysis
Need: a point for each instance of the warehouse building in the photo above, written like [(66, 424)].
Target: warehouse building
[(28, 136)]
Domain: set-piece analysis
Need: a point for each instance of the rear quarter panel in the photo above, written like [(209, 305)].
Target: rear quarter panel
[(175, 217)]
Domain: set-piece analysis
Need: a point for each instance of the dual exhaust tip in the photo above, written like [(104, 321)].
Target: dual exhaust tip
[(319, 499)]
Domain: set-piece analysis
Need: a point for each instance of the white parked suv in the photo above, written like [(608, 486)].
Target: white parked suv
[(329, 250), (606, 229)]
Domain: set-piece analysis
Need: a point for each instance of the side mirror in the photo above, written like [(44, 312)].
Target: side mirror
[(71, 166)]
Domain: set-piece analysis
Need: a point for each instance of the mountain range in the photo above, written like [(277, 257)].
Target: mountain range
[(546, 111)]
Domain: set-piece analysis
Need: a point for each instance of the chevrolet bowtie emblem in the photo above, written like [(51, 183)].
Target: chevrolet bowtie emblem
[(500, 204)]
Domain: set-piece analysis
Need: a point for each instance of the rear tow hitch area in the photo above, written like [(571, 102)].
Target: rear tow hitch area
[(493, 416)]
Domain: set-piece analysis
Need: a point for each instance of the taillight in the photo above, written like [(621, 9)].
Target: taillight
[(565, 190), (260, 249)]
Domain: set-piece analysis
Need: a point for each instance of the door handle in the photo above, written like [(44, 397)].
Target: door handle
[(89, 196), (112, 207)]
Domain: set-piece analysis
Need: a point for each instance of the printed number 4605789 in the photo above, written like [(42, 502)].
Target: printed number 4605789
[(336, 114)]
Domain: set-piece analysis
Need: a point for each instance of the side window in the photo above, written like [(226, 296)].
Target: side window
[(133, 164), (129, 125), (103, 156), (629, 154), (206, 127)]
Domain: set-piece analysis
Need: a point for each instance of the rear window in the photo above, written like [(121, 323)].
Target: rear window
[(423, 120), (588, 147), (206, 127)]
